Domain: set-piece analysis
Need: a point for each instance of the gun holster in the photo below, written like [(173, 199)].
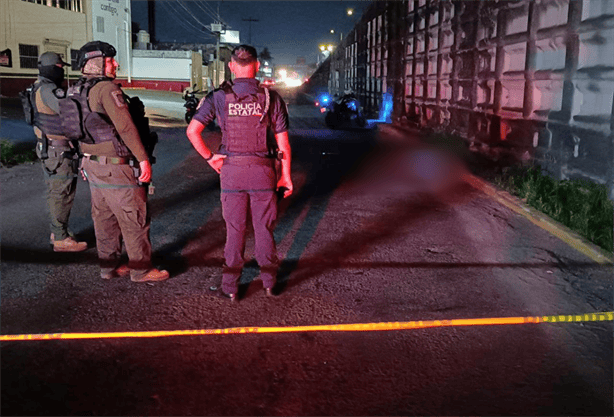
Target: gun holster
[(42, 146), (75, 159), (136, 169)]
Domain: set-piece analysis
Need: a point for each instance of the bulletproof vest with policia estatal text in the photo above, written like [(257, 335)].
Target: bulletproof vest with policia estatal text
[(84, 125), (49, 124), (247, 121)]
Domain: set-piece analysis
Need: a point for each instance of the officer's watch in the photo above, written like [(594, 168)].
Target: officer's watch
[(211, 157)]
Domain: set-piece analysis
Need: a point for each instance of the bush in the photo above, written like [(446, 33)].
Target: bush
[(13, 154), (581, 205)]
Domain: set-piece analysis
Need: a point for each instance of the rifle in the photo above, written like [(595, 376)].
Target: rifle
[(148, 138)]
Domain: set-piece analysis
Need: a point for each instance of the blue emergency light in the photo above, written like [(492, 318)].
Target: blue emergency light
[(324, 99)]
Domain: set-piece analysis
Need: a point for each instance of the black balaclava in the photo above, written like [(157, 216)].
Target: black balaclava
[(52, 72)]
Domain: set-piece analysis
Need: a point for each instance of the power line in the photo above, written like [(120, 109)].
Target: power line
[(211, 12), (190, 14), (174, 13), (179, 17)]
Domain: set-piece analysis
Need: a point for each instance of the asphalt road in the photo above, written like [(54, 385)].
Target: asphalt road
[(378, 230)]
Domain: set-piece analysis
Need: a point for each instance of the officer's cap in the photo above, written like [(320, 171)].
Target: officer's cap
[(244, 54), (95, 49), (50, 58)]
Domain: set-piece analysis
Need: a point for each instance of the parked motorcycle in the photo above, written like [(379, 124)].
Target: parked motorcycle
[(344, 112), (191, 104)]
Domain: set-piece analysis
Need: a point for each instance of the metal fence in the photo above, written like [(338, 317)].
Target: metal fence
[(519, 79)]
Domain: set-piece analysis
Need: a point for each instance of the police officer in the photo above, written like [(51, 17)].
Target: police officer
[(58, 154), (247, 113), (116, 166)]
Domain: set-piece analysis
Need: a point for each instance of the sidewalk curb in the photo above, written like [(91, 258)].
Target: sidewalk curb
[(536, 217)]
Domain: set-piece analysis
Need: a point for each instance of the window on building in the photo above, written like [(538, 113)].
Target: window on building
[(72, 5), (99, 24), (28, 56), (74, 58)]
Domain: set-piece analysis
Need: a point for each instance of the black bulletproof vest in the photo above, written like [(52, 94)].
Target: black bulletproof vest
[(246, 125), (50, 124), (85, 125)]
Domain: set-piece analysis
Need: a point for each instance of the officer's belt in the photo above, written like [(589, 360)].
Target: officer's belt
[(114, 160), (248, 160)]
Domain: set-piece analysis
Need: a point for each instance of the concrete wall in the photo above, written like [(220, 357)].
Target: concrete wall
[(166, 70), (163, 65), (520, 80)]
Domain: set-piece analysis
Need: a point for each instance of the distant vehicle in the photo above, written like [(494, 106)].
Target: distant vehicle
[(269, 82), (343, 112)]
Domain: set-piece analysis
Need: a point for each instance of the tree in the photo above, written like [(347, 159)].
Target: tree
[(265, 54)]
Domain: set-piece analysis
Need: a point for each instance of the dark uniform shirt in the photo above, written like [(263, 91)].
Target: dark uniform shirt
[(213, 107)]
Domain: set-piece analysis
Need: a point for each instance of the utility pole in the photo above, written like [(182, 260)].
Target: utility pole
[(250, 20), (151, 20), (217, 29)]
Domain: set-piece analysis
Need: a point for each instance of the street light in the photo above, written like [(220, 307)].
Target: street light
[(325, 49), (332, 31)]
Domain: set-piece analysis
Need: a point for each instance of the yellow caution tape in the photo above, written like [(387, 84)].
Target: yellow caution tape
[(356, 327)]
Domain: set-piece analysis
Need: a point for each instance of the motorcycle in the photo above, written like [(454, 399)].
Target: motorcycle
[(191, 104), (344, 112)]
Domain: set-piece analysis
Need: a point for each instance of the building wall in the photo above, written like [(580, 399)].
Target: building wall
[(166, 70), (111, 22), (62, 27), (28, 24), (520, 80)]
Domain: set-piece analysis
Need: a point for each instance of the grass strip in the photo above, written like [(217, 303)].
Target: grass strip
[(14, 154), (581, 205)]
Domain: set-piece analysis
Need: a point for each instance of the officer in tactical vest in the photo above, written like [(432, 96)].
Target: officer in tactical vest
[(254, 123), (58, 155), (115, 164)]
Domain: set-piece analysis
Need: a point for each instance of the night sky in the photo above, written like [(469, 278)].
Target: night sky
[(289, 29)]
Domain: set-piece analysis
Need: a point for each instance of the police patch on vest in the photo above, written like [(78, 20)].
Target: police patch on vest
[(244, 109), (118, 96)]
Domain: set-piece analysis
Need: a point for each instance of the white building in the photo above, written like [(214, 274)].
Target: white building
[(29, 28)]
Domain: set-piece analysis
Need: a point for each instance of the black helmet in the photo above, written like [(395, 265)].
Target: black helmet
[(95, 49)]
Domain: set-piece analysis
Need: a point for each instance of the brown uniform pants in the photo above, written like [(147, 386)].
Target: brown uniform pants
[(119, 210)]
